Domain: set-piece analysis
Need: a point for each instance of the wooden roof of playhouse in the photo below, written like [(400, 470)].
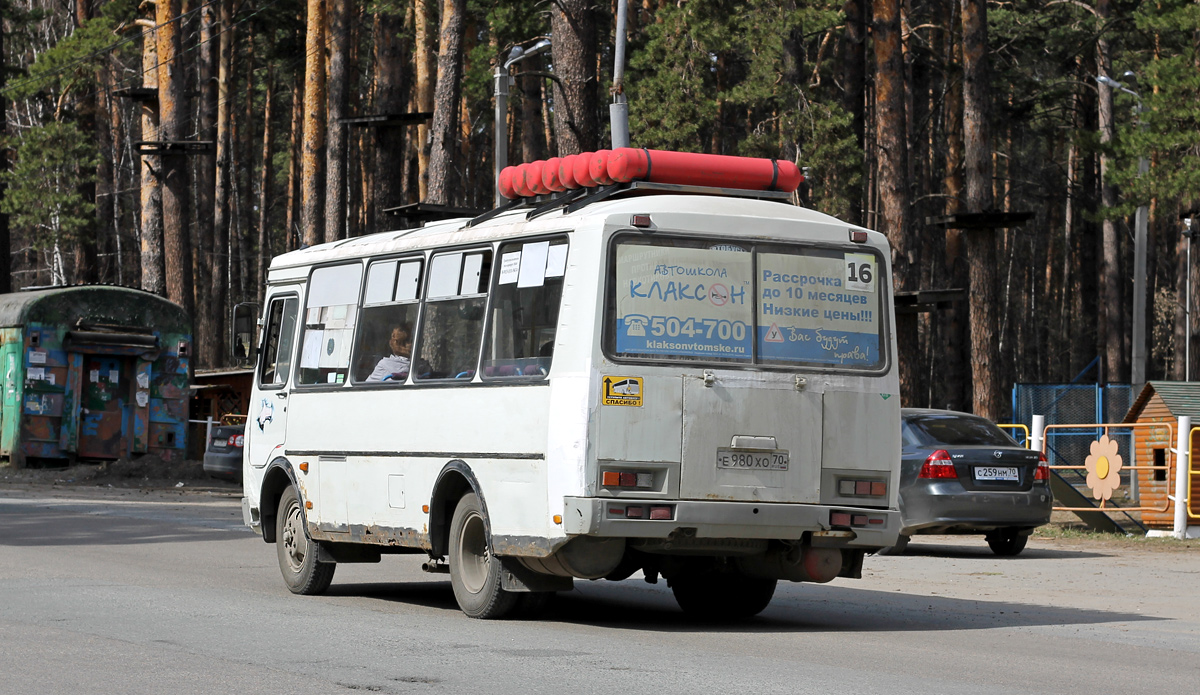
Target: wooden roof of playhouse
[(1180, 398)]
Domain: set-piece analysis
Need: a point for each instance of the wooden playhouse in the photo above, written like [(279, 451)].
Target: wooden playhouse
[(1163, 402)]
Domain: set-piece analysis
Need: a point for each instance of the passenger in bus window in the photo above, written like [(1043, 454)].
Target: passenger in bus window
[(396, 365)]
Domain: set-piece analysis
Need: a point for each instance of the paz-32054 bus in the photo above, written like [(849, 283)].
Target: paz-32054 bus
[(636, 377)]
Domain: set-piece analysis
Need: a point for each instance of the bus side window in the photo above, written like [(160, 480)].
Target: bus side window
[(383, 351), (525, 306), (277, 342), (330, 316), (452, 325)]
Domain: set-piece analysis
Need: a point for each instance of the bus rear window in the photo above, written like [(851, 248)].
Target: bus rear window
[(748, 303)]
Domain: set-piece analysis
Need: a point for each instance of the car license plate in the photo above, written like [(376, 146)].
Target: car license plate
[(995, 473), (219, 442), (752, 460)]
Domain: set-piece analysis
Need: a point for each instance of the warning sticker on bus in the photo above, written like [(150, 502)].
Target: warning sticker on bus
[(622, 390)]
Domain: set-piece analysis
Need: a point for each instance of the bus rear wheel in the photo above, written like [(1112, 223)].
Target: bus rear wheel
[(302, 573), (722, 596), (474, 570)]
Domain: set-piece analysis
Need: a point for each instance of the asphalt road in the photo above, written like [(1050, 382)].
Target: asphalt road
[(125, 592)]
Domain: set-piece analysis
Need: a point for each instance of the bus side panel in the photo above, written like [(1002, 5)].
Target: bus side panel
[(361, 438)]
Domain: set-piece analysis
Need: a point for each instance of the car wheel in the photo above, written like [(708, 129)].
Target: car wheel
[(302, 573), (1007, 542), (474, 571), (722, 596), (898, 549)]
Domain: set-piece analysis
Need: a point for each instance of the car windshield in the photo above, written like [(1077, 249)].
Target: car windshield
[(954, 430)]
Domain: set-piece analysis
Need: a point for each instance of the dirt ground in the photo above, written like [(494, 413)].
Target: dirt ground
[(145, 472)]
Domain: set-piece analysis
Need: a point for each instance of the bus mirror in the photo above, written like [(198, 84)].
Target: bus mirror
[(243, 343)]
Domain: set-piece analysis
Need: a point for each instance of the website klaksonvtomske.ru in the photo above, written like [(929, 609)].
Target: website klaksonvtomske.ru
[(694, 347)]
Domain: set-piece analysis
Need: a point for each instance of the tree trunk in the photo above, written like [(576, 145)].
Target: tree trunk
[(1114, 306), (854, 78), (87, 236), (391, 87), (264, 193), (424, 21), (153, 272), (533, 140), (5, 234), (981, 244), (576, 92), (955, 382), (243, 191), (177, 249), (312, 179), (446, 103), (209, 284), (892, 174), (339, 90), (292, 241), (224, 161)]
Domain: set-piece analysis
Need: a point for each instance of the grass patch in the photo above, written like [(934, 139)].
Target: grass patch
[(1082, 534)]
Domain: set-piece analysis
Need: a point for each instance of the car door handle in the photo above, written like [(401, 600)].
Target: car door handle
[(281, 394)]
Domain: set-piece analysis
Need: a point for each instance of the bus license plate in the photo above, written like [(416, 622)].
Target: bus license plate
[(995, 473), (752, 460)]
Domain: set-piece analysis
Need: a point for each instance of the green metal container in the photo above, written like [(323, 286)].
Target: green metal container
[(92, 372)]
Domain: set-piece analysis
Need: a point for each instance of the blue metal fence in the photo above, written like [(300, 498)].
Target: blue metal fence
[(1065, 404)]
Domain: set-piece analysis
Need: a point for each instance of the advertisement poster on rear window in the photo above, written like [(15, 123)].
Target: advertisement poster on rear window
[(819, 308), (685, 302)]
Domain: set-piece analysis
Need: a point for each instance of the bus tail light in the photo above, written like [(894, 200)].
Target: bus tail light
[(631, 479), (938, 466), (856, 520), (1042, 472), (662, 513), (852, 487)]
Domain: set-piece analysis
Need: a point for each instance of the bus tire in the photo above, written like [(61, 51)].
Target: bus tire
[(298, 563), (722, 596), (474, 571)]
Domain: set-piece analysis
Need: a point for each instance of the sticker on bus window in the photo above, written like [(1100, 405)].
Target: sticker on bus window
[(622, 390), (510, 266), (860, 272), (808, 311), (684, 302)]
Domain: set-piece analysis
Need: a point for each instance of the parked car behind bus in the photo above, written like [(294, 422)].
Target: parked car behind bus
[(961, 474)]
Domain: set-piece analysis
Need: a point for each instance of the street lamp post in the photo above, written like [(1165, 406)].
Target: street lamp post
[(502, 84), (1187, 302), (1140, 226)]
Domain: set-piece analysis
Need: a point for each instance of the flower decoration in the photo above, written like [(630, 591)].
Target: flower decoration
[(1103, 468)]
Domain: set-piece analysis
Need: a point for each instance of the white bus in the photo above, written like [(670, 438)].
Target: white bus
[(695, 387)]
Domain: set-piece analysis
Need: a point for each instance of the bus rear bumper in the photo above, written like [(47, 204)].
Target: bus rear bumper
[(591, 516)]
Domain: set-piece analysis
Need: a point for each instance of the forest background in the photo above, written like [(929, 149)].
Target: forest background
[(178, 145)]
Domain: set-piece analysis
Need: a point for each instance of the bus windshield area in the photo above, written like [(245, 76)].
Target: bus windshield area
[(673, 298)]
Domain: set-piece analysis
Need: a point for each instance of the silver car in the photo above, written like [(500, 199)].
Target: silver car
[(961, 474)]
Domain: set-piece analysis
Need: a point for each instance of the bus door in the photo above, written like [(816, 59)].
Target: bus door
[(267, 420)]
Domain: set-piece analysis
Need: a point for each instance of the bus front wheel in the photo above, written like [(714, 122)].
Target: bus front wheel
[(474, 571), (297, 556)]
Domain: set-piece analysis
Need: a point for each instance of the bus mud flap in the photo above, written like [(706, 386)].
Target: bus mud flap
[(518, 578)]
